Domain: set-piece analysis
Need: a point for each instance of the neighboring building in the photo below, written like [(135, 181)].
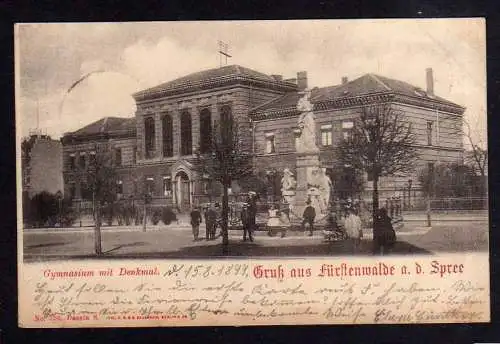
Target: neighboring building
[(41, 160), (176, 118), (79, 146)]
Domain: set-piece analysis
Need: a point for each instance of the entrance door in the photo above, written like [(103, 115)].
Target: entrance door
[(183, 190)]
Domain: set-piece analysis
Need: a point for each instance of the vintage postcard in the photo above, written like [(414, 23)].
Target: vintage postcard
[(252, 173)]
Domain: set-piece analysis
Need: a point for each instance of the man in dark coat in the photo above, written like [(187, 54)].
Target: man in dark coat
[(195, 222), (252, 213), (210, 222), (308, 217), (245, 217), (384, 235)]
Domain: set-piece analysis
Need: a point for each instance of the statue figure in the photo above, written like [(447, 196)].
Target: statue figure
[(325, 187), (288, 185), (307, 140)]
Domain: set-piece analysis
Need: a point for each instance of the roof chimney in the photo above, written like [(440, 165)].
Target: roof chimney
[(430, 82), (344, 80), (302, 80)]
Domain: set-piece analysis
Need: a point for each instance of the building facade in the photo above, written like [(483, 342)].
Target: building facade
[(155, 150), (41, 161)]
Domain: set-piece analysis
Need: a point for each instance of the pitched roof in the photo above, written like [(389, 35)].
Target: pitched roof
[(214, 74), (106, 125), (364, 85)]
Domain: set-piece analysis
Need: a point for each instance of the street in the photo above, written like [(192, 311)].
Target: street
[(176, 241)]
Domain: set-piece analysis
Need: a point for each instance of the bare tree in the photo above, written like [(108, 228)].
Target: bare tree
[(100, 176), (225, 160), (381, 143), (478, 157)]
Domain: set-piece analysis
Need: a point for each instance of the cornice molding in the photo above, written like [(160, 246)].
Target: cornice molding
[(348, 102), (212, 83)]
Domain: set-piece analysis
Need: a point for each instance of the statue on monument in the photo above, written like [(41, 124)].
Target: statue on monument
[(307, 140), (288, 185)]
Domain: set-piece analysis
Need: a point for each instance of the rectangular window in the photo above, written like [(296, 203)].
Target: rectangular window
[(430, 168), (92, 159), (118, 156), (150, 185), (167, 186), (85, 191), (72, 161), (134, 156), (270, 144), (429, 132), (326, 135), (347, 127), (119, 187), (72, 191), (81, 160)]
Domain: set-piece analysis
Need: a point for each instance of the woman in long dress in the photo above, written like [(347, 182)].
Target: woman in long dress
[(353, 229)]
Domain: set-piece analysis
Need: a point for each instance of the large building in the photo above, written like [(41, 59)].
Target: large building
[(154, 151), (41, 161)]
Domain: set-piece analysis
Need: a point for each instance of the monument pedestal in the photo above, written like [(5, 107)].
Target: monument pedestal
[(306, 163)]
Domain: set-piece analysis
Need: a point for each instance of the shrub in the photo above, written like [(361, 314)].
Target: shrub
[(168, 215), (155, 218)]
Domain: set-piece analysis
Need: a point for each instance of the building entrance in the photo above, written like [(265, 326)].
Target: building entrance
[(183, 190)]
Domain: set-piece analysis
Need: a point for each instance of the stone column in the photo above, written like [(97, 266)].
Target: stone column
[(214, 113), (176, 131), (158, 136), (195, 128)]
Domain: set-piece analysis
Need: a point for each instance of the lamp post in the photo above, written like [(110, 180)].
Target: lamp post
[(409, 193)]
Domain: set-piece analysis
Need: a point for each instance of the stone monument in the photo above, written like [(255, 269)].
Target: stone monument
[(312, 183)]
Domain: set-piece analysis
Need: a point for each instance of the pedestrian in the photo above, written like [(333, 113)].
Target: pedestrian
[(252, 213), (308, 217), (353, 228), (210, 222), (384, 235), (245, 217), (195, 222)]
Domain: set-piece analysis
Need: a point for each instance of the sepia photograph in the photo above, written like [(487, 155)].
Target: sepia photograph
[(252, 139), (335, 140)]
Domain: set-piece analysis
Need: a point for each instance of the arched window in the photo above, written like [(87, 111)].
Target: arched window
[(226, 124), (205, 130), (186, 134), (149, 136), (167, 136)]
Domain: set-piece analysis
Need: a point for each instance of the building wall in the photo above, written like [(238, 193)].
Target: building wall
[(46, 167), (447, 143), (75, 175)]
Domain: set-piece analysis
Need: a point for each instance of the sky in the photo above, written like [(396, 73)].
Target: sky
[(134, 56)]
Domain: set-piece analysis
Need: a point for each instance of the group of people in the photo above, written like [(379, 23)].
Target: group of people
[(210, 215), (384, 235)]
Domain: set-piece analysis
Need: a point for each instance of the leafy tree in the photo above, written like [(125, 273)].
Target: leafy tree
[(225, 160), (381, 143), (100, 176)]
